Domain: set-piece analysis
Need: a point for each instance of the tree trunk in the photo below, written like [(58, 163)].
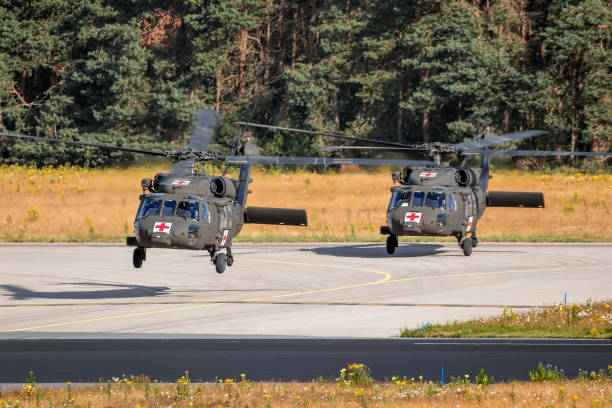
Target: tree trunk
[(506, 120), (242, 64), (294, 39), (398, 129), (24, 77), (267, 54), (279, 43), (426, 125), (218, 96)]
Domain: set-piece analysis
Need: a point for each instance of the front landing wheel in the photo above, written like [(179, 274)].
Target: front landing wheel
[(138, 257), (391, 244), (220, 263), (467, 246)]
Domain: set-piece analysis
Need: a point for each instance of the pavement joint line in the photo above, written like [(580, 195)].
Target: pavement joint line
[(386, 279), (509, 272), (261, 302)]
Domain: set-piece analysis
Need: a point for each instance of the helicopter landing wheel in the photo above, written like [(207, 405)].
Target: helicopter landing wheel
[(139, 256), (220, 263), (467, 246), (474, 241), (392, 244), (230, 260)]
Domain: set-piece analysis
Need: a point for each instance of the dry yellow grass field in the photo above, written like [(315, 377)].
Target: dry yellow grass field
[(135, 392), (74, 204)]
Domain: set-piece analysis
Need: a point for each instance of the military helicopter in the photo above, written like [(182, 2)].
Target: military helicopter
[(188, 209), (439, 200)]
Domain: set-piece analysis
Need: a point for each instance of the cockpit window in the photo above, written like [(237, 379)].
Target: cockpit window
[(169, 207), (417, 199), (149, 206), (189, 210), (400, 199), (405, 199), (395, 197), (435, 200)]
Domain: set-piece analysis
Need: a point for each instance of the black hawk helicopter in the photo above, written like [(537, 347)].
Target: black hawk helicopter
[(435, 199), (188, 209)]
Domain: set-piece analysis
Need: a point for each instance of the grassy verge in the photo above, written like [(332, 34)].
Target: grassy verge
[(69, 204), (353, 388), (588, 320)]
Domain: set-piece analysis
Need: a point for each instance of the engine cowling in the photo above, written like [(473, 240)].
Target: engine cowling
[(222, 187), (466, 177)]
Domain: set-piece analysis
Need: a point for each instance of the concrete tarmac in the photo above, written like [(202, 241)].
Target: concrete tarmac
[(339, 290)]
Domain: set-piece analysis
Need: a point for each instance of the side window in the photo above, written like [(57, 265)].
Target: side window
[(470, 205), (474, 209), (417, 199), (226, 217), (169, 207), (452, 202), (193, 210), (205, 213)]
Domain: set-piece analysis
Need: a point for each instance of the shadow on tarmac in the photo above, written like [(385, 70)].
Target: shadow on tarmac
[(118, 292), (379, 251)]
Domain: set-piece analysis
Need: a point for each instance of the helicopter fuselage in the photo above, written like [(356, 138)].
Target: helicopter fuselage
[(434, 210), (435, 202), (191, 212)]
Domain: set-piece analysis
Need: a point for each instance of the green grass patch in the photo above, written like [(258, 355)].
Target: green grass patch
[(589, 320)]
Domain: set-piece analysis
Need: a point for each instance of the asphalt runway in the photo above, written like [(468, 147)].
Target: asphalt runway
[(88, 358), (337, 290)]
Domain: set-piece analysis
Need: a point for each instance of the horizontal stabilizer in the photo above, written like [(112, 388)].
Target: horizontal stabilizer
[(275, 216), (515, 199)]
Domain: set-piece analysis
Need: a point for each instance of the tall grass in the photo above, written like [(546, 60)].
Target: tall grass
[(76, 204), (590, 390)]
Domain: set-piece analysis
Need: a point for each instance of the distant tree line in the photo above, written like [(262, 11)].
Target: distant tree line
[(133, 72)]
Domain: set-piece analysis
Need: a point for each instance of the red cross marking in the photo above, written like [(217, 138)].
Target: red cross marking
[(428, 174), (161, 227), (412, 217), (181, 182)]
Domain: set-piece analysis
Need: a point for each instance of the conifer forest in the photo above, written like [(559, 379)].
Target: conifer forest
[(132, 72)]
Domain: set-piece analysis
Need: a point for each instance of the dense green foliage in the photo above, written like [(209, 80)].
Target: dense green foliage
[(132, 72)]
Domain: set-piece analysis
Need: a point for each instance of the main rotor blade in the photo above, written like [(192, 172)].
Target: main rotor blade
[(320, 161), (77, 143), (378, 148), (497, 140), (532, 153), (202, 135), (313, 132), (204, 128)]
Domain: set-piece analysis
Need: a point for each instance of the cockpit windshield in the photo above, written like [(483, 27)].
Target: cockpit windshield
[(417, 199), (436, 200), (149, 206), (400, 199), (169, 207)]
